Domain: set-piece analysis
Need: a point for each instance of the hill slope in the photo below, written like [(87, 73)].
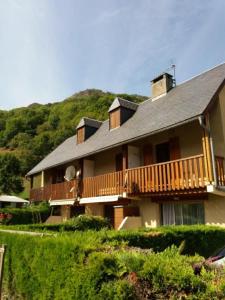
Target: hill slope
[(32, 132)]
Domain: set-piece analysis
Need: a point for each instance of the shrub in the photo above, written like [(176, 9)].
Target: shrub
[(79, 266), (200, 239), (27, 215), (85, 222), (80, 223)]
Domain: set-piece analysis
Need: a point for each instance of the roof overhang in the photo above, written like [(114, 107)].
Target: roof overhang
[(195, 118), (100, 199), (12, 199), (61, 202)]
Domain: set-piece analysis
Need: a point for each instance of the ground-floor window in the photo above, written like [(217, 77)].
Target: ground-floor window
[(182, 214)]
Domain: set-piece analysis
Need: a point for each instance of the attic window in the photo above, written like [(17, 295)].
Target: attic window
[(114, 118), (80, 135), (86, 128), (120, 111)]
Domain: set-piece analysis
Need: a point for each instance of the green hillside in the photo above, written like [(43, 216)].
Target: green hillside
[(32, 132)]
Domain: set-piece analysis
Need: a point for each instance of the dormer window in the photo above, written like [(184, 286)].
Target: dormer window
[(120, 111), (86, 128)]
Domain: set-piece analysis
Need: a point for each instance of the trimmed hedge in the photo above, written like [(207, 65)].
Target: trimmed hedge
[(80, 223), (80, 266), (26, 215), (200, 239)]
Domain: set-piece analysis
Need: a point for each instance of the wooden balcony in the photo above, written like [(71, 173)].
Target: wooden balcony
[(104, 185), (177, 175), (63, 190), (183, 175)]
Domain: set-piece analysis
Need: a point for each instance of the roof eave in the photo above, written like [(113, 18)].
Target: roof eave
[(119, 144)]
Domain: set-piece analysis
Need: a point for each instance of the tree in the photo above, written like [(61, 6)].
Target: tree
[(10, 180)]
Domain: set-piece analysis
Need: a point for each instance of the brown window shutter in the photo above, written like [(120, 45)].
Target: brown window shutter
[(148, 154), (115, 118), (80, 135), (175, 148)]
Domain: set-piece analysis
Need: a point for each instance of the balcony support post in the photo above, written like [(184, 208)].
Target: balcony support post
[(42, 179)]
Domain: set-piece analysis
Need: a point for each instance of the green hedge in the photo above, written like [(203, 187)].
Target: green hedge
[(26, 215), (80, 266), (200, 239), (79, 223)]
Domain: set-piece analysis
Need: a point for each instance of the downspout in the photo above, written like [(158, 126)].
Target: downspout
[(202, 124)]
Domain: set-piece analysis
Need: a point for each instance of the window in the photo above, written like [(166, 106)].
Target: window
[(115, 118), (80, 135), (182, 214)]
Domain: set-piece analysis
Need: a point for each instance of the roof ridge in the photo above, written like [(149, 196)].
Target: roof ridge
[(206, 71)]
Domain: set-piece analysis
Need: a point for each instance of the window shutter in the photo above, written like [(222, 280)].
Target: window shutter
[(175, 148), (148, 154)]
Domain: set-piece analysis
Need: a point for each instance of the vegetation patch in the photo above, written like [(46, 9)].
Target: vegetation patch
[(80, 266), (200, 239), (27, 215)]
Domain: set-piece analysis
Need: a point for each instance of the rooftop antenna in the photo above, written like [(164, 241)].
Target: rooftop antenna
[(173, 69)]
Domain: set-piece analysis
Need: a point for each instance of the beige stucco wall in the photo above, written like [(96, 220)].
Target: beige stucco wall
[(105, 162), (131, 223), (217, 124), (215, 210), (134, 157), (65, 212), (190, 139), (94, 209), (88, 168), (149, 212)]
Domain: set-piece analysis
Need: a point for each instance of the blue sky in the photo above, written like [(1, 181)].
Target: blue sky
[(50, 49)]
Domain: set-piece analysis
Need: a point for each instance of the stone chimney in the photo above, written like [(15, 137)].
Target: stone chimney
[(161, 85)]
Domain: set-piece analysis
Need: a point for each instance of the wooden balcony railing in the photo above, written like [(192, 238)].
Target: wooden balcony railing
[(220, 171), (182, 174), (63, 190), (104, 185)]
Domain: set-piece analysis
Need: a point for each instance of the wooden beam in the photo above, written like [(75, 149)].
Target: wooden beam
[(125, 156)]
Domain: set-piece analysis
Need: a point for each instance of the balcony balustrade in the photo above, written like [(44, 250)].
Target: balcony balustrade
[(187, 174)]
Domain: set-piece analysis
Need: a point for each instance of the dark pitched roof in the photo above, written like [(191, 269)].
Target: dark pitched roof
[(89, 122), (182, 104), (119, 102)]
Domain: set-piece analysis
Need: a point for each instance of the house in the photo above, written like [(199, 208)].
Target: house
[(157, 163)]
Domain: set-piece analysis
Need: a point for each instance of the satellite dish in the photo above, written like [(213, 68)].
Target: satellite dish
[(70, 173)]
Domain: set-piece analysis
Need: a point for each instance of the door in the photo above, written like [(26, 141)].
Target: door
[(119, 162), (162, 152), (109, 213)]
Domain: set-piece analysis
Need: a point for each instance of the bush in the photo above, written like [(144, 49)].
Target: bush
[(79, 266), (26, 215), (80, 223), (200, 239), (85, 222)]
